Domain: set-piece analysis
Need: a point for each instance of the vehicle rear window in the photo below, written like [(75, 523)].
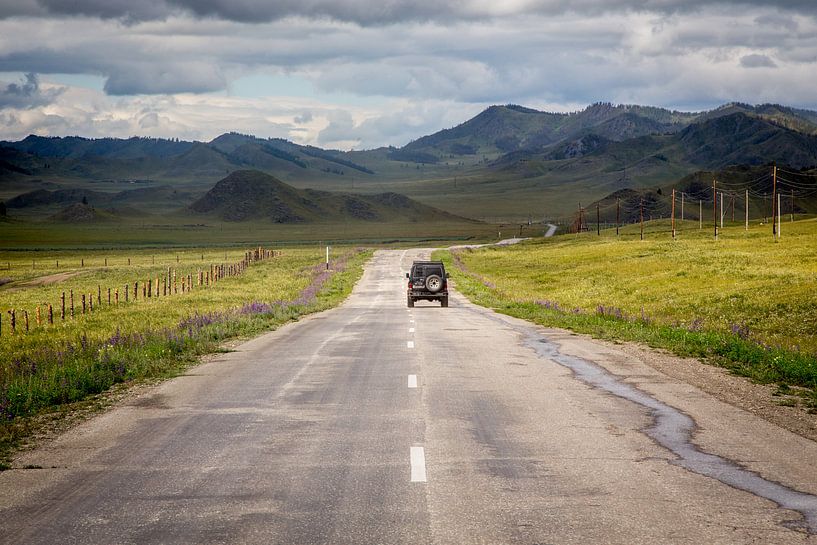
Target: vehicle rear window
[(426, 270)]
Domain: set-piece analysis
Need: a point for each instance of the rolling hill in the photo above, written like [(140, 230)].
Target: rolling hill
[(253, 195), (506, 162), (797, 191)]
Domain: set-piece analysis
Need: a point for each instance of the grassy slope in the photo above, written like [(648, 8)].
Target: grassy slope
[(169, 231), (744, 300), (64, 363)]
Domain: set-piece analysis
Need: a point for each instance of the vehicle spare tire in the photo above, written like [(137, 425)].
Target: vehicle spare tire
[(434, 283)]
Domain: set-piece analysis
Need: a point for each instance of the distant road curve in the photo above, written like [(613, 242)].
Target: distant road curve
[(507, 241)]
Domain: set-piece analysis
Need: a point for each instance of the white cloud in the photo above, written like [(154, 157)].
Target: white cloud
[(408, 75), (27, 93)]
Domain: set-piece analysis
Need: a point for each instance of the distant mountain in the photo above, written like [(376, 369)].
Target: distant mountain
[(43, 197), (131, 201), (739, 138), (112, 148), (150, 158), (15, 161), (697, 188), (507, 160), (257, 152), (81, 213), (510, 128), (253, 195), (733, 139)]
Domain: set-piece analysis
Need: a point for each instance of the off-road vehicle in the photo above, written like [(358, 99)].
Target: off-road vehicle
[(427, 281)]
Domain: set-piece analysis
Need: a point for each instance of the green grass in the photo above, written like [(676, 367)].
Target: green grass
[(744, 301), (52, 366), (174, 232)]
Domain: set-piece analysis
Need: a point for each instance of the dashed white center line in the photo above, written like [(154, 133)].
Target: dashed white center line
[(412, 381), (411, 330), (412, 321), (410, 344), (418, 465)]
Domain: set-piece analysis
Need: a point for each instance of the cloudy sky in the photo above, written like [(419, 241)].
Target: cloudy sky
[(360, 73)]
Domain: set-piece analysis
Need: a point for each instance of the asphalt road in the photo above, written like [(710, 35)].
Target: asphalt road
[(377, 424)]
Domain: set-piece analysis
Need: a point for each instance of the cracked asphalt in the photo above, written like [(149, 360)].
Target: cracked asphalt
[(317, 433)]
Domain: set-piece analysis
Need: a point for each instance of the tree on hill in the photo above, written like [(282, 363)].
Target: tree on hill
[(2, 208), (84, 199)]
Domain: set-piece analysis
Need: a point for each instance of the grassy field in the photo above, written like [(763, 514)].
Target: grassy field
[(173, 232), (743, 300), (53, 365)]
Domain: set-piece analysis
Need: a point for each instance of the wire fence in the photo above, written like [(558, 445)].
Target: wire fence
[(769, 196), (72, 305)]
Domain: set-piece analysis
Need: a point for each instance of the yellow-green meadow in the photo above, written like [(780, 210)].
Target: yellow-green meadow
[(744, 300), (143, 337)]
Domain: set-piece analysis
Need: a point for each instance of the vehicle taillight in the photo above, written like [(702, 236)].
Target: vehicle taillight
[(410, 285)]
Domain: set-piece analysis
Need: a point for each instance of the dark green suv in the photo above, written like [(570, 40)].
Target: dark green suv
[(427, 281)]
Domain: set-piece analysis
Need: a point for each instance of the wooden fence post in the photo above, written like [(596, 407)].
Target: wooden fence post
[(37, 316), (72, 303), (83, 303), (109, 296), (50, 314), (62, 308), (13, 321), (127, 292), (25, 316), (99, 294), (116, 296)]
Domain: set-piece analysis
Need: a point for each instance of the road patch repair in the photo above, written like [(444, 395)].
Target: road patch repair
[(674, 430)]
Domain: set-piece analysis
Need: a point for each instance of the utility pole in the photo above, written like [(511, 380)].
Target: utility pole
[(721, 210), (715, 206), (747, 210), (792, 205), (598, 219), (579, 226), (778, 216), (581, 220), (618, 212), (774, 193), (682, 206), (673, 214), (642, 218), (700, 213)]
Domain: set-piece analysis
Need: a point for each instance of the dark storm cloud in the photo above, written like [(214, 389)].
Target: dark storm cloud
[(26, 94), (364, 12), (115, 62), (152, 78), (757, 61)]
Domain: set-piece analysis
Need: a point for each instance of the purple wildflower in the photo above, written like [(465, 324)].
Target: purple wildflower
[(741, 330)]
